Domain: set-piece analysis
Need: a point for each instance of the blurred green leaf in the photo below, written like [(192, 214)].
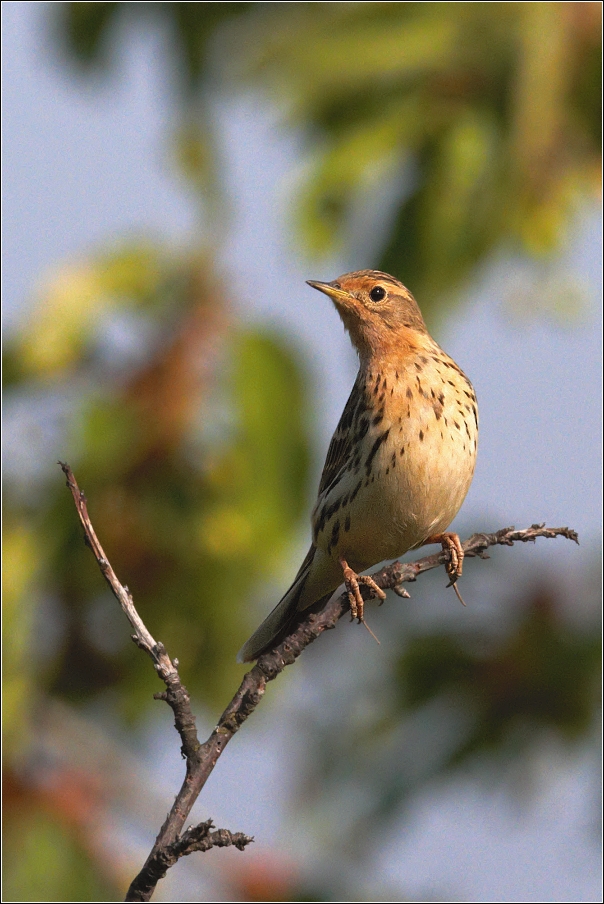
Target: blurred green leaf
[(541, 675), (45, 862), (194, 520), (21, 564), (496, 106), (85, 30)]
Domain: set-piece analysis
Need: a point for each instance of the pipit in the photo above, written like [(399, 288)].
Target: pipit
[(400, 462)]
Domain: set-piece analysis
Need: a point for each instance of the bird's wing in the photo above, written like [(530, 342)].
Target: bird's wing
[(341, 447), (312, 586)]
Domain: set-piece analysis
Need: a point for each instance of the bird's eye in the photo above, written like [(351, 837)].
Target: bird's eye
[(377, 293)]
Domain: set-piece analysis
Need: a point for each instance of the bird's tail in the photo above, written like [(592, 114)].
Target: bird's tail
[(276, 626)]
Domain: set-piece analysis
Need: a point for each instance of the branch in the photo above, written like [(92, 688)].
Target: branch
[(171, 843)]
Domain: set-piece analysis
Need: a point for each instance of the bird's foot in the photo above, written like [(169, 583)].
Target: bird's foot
[(451, 544), (352, 580)]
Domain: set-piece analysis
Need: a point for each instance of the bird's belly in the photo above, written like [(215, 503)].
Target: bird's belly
[(411, 489)]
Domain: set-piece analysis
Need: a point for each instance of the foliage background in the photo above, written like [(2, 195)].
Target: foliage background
[(456, 145)]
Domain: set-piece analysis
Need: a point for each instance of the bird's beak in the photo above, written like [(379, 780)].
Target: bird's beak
[(333, 290), (348, 307)]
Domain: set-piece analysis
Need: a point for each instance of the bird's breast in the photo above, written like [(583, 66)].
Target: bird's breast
[(408, 474)]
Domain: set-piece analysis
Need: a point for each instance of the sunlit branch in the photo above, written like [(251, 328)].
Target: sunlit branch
[(172, 842)]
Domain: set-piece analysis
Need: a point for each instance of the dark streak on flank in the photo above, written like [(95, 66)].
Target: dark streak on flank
[(363, 428), (374, 449), (335, 536), (353, 495)]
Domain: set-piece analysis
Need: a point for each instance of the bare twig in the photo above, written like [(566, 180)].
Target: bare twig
[(171, 842), (170, 845)]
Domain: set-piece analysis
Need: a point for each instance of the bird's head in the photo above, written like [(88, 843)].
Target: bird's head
[(377, 310)]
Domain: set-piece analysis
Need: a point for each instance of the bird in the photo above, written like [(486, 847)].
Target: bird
[(399, 464)]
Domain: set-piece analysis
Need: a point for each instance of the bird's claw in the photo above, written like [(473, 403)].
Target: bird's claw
[(352, 580), (451, 544)]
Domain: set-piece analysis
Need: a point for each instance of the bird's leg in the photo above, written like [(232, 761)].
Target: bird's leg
[(352, 581), (451, 544)]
